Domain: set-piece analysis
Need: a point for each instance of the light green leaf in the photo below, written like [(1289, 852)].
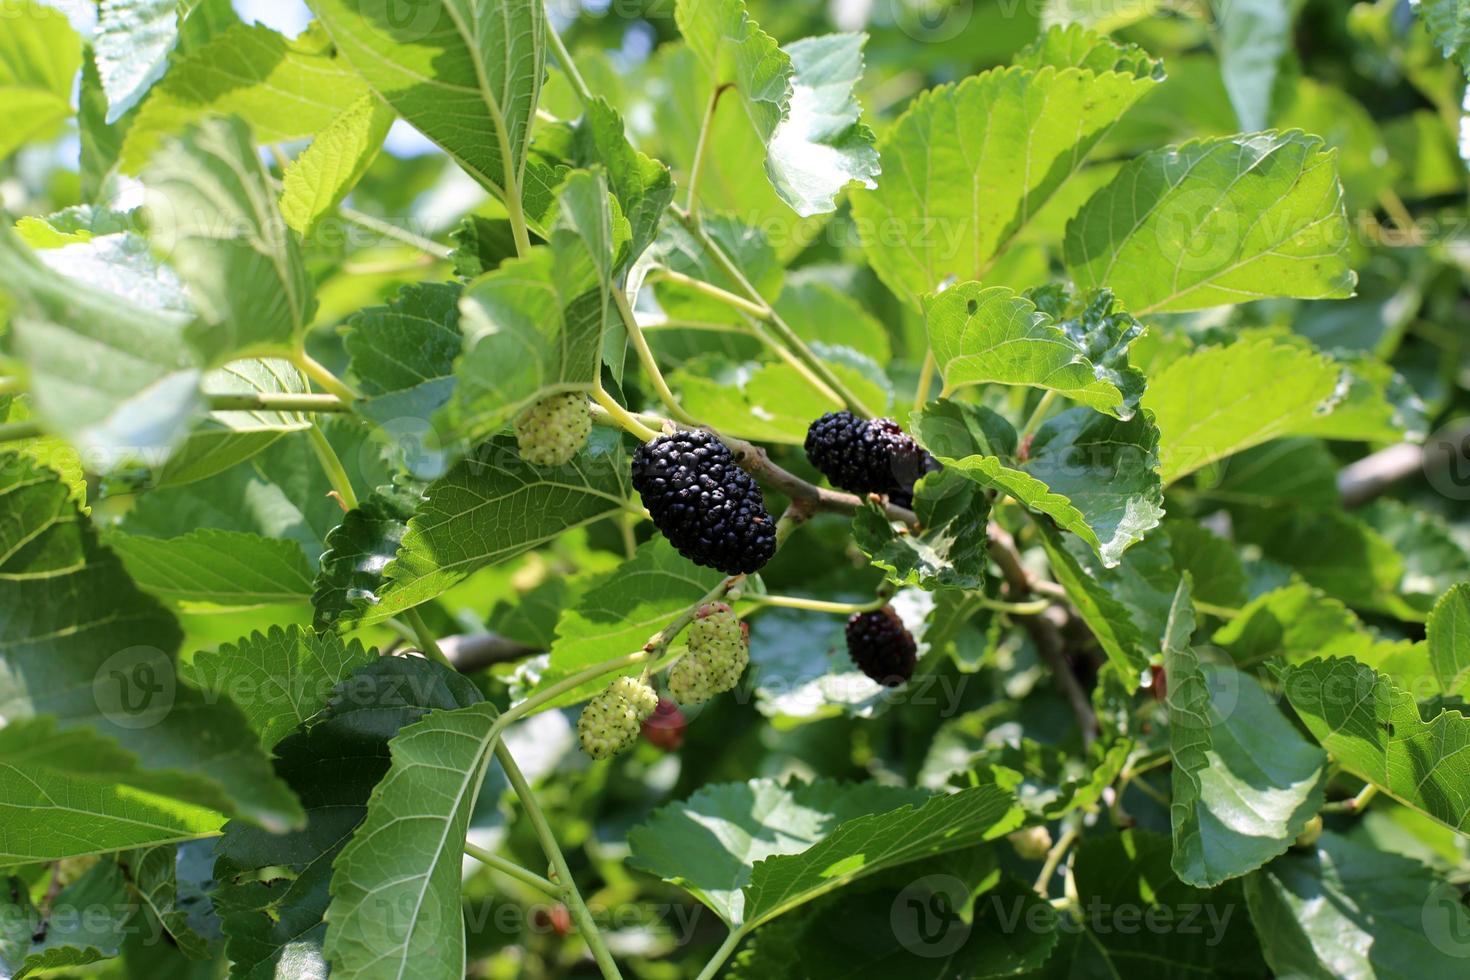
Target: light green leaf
[(1345, 909), (1296, 623), (214, 215), (619, 615), (491, 507), (1245, 783), (224, 439), (76, 792), (869, 844), (87, 921), (535, 325), (710, 843), (274, 926), (769, 402), (215, 568), (819, 310), (416, 819), (133, 41), (1215, 222), (799, 99), (465, 73), (1106, 486), (1217, 401), (954, 191), (279, 678), (39, 58), (86, 648), (1449, 640), (643, 186), (283, 89), (952, 549), (331, 166), (108, 355), (1253, 36), (992, 335), (1374, 729)]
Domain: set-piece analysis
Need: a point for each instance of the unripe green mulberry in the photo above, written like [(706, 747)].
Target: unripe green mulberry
[(1032, 843), (718, 655), (550, 432), (611, 721)]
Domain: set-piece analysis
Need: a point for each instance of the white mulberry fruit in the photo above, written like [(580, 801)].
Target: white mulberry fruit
[(553, 430), (611, 721), (719, 651)]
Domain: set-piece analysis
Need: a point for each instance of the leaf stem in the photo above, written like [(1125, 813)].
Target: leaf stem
[(622, 416), (1354, 805), (647, 360), (1224, 612), (325, 379), (274, 401), (1033, 608), (568, 66), (564, 882), (819, 605), (701, 145), (1038, 415), (16, 431), (11, 386), (714, 292), (427, 643), (389, 230), (926, 378), (779, 326), (712, 968), (1054, 859), (512, 869), (332, 466)]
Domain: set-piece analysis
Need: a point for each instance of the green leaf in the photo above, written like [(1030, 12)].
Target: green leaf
[(710, 843), (1047, 782), (535, 326), (109, 360), (465, 73), (318, 180), (223, 439), (1346, 909), (283, 89), (1245, 783), (358, 550), (1253, 37), (279, 678), (1377, 405), (172, 880), (1106, 489), (1374, 729), (1434, 560), (84, 647), (491, 507), (952, 550), (869, 844), (643, 186), (770, 402), (395, 908), (1169, 928), (1216, 573), (1215, 222), (1296, 470), (618, 615), (1217, 401), (39, 58), (1449, 640), (109, 801), (1449, 24), (133, 41), (951, 199), (86, 922), (218, 568), (1107, 618), (274, 887), (818, 310), (214, 214), (991, 335), (799, 99)]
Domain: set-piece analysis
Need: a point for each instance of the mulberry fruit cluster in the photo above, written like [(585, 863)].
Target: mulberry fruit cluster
[(863, 456), (718, 654), (882, 646), (710, 509), (552, 431), (611, 721)]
